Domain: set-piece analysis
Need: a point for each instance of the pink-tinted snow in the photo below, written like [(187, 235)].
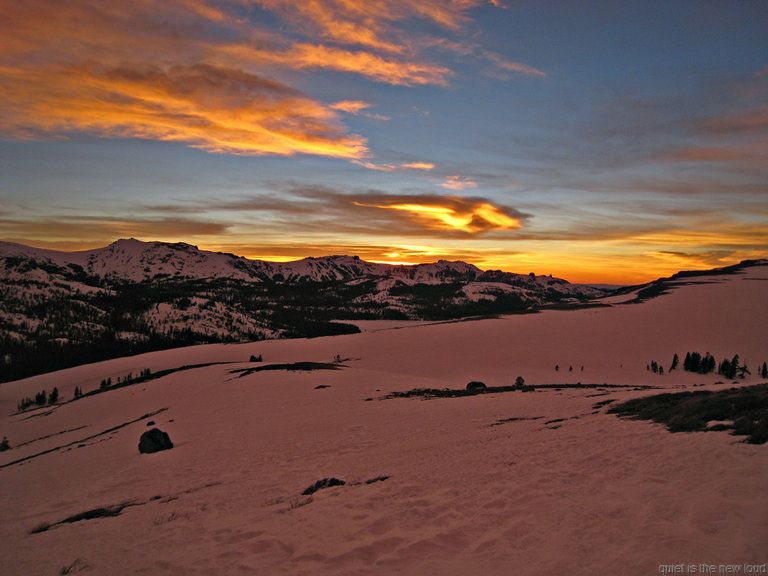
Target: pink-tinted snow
[(481, 485)]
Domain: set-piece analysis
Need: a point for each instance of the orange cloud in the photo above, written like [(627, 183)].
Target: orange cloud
[(368, 64), (387, 69), (418, 166), (370, 23), (395, 167), (350, 106), (457, 182), (213, 108), (81, 65), (454, 214)]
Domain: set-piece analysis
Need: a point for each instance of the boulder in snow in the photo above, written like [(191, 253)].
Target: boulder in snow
[(154, 440)]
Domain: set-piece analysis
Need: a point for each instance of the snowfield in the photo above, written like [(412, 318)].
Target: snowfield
[(525, 483)]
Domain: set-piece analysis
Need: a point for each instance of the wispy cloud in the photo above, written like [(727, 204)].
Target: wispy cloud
[(370, 213), (426, 166), (350, 106), (458, 182), (386, 68), (213, 108), (418, 166), (506, 68), (736, 132), (201, 72), (374, 23), (97, 231)]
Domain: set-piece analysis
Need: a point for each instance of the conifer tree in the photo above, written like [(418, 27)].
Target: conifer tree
[(687, 362), (708, 364)]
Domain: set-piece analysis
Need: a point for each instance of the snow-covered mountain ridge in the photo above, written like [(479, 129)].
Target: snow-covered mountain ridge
[(131, 260)]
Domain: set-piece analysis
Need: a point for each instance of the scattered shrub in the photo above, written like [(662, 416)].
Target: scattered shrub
[(42, 527), (377, 479), (76, 566)]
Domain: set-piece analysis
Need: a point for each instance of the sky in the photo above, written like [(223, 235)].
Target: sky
[(598, 141)]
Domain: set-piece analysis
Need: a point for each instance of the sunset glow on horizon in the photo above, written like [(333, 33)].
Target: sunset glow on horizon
[(597, 141)]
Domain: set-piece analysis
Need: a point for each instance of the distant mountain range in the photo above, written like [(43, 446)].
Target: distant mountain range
[(59, 309), (135, 261)]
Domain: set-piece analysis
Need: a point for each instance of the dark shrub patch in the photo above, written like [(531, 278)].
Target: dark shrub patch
[(377, 479), (294, 366), (320, 484), (463, 392), (95, 513), (602, 403), (746, 407), (476, 386), (106, 512)]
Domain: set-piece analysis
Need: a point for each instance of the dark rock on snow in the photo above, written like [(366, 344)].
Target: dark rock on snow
[(476, 386), (154, 440)]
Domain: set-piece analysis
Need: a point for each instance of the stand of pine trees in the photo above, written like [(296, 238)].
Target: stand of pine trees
[(695, 362)]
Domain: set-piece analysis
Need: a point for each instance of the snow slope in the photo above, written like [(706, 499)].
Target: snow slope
[(537, 483)]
